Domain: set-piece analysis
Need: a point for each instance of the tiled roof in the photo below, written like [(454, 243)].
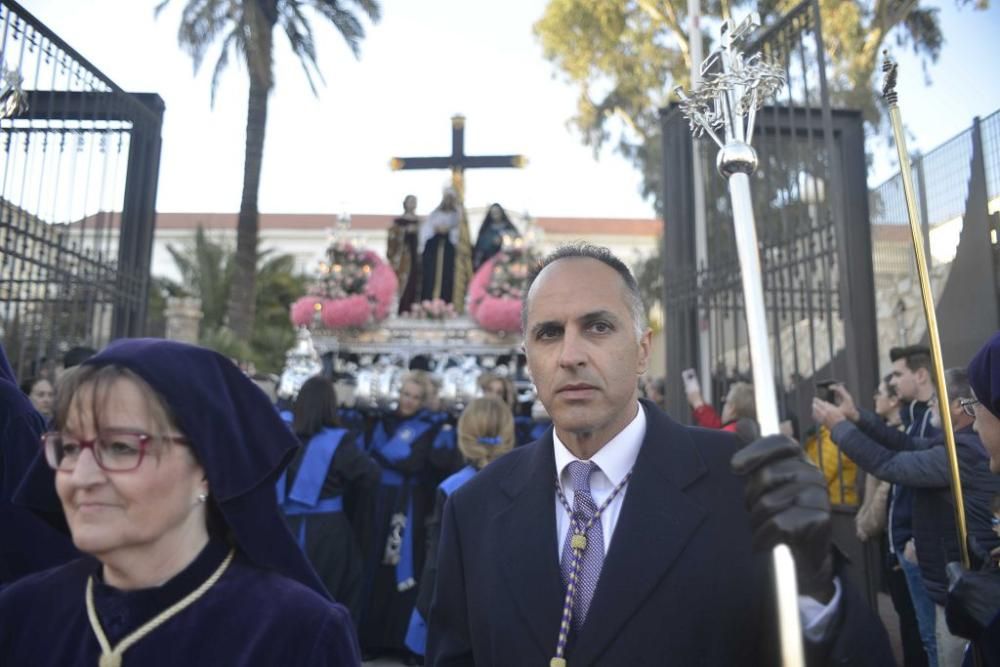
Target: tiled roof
[(365, 221)]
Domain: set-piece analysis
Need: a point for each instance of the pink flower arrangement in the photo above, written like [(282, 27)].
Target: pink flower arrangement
[(355, 289), (381, 288), (493, 313), (496, 290), (432, 309), (347, 313), (500, 314), (305, 309)]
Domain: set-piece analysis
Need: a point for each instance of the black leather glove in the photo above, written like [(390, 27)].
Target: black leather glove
[(788, 503), (973, 599)]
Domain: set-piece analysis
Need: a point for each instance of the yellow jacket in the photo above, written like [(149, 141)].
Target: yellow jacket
[(830, 460)]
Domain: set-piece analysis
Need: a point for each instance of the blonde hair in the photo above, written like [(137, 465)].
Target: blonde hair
[(486, 417), (741, 401), (422, 380), (509, 396)]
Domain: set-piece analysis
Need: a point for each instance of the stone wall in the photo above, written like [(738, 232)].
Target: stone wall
[(183, 315)]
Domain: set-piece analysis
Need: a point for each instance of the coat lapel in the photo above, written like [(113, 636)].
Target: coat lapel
[(655, 523), (528, 553)]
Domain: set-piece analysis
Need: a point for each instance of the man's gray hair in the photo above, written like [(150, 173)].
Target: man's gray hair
[(603, 255), (957, 381)]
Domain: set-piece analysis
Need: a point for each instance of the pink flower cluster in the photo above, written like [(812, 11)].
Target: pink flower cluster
[(381, 288), (493, 313), (432, 309), (352, 311)]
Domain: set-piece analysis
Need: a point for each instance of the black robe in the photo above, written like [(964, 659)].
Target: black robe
[(490, 240), (438, 279), (250, 616), (29, 541), (416, 635), (327, 537), (406, 488)]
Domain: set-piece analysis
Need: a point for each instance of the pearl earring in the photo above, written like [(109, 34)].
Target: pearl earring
[(202, 497)]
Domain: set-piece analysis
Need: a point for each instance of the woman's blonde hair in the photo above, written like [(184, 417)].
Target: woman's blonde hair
[(421, 379), (485, 430), (509, 396), (741, 401)]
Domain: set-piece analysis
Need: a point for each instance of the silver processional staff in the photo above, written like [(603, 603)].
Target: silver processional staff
[(724, 107)]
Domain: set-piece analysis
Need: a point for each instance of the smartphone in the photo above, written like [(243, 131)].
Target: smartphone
[(825, 392), (690, 380)]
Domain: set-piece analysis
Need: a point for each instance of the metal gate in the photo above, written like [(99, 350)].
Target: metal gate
[(811, 207), (75, 150)]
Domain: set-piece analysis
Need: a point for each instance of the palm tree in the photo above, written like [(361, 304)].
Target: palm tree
[(207, 272), (246, 29), (206, 269)]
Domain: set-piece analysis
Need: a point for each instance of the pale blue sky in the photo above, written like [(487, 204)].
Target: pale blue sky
[(424, 62)]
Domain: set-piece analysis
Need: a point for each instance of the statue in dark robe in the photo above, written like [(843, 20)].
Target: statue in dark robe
[(438, 240), (401, 251), (495, 228)]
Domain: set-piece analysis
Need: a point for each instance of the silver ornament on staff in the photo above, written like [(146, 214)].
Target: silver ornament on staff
[(724, 108)]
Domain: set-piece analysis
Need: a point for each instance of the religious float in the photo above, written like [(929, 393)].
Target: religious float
[(348, 328)]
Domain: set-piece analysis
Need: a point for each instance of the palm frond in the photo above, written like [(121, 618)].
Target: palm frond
[(231, 42), (371, 8), (183, 263), (347, 24), (160, 6), (300, 38), (202, 21), (246, 26)]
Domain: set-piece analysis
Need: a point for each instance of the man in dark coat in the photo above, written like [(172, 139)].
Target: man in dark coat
[(523, 577)]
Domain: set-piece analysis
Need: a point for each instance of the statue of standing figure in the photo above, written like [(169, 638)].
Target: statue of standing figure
[(403, 255), (438, 242), (494, 232)]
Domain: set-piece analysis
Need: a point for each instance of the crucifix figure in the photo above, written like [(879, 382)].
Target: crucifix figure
[(457, 162)]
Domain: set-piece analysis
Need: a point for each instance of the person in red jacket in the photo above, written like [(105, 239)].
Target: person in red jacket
[(739, 414)]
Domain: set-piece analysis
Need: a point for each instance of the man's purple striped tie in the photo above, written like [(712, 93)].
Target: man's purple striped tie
[(592, 559)]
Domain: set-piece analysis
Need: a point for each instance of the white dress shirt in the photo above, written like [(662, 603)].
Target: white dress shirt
[(614, 460)]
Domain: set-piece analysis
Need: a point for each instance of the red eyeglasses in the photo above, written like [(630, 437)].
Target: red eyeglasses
[(114, 450)]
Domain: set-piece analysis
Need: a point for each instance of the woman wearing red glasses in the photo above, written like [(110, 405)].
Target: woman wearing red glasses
[(165, 457)]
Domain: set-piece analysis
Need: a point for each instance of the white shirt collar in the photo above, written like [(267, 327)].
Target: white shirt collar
[(614, 459)]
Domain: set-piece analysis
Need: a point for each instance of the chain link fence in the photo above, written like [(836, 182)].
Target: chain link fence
[(957, 188)]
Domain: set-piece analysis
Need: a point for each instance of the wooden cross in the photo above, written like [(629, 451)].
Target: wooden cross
[(458, 161)]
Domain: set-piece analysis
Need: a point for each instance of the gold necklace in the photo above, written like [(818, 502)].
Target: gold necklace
[(112, 657)]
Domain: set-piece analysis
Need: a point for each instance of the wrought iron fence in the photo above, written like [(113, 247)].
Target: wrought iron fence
[(73, 148), (811, 208), (809, 200)]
